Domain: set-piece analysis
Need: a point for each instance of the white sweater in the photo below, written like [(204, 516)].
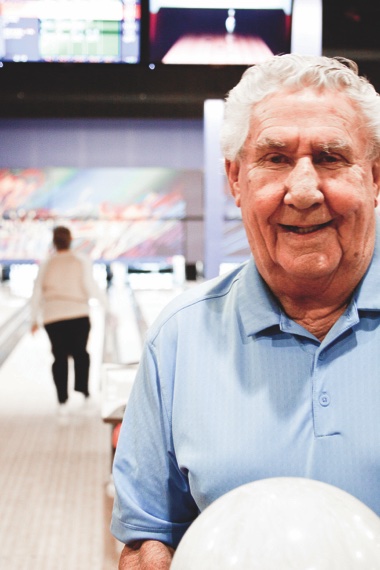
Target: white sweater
[(63, 287)]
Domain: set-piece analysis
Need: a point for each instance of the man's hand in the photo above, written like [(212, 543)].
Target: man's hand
[(146, 555)]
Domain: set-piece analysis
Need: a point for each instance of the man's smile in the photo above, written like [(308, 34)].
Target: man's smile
[(305, 229)]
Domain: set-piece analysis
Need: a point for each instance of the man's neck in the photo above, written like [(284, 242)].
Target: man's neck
[(316, 319), (315, 304)]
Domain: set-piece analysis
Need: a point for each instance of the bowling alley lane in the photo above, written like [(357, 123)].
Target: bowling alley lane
[(56, 496)]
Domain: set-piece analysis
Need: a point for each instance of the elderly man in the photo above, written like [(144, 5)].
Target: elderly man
[(273, 369)]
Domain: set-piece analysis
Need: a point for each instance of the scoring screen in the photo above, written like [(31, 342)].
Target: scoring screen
[(70, 31)]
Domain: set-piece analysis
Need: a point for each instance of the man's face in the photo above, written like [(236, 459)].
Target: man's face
[(306, 188)]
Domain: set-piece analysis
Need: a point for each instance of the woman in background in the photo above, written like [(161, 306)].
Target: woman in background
[(61, 294)]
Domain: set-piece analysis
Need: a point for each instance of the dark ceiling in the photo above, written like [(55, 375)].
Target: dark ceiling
[(350, 29)]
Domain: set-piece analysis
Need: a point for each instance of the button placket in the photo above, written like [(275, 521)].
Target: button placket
[(324, 399), (324, 419)]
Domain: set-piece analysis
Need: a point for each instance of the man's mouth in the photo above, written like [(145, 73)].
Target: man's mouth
[(305, 229)]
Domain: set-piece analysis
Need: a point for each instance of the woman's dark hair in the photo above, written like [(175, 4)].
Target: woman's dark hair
[(61, 238)]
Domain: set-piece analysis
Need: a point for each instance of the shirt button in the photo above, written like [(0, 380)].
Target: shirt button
[(324, 399)]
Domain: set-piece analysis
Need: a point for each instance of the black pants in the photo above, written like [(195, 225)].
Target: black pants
[(69, 338)]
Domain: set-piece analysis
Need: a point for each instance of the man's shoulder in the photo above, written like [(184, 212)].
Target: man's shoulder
[(199, 294)]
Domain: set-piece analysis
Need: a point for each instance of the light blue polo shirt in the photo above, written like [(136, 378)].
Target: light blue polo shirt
[(230, 390)]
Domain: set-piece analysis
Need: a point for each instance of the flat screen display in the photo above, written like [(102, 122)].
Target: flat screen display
[(218, 32), (79, 31)]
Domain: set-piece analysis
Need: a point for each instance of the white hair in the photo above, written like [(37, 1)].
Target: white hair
[(292, 71)]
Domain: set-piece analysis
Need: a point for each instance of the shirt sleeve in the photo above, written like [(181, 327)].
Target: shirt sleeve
[(152, 500)]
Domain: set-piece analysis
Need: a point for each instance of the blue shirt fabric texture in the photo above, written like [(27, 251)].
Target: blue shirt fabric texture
[(230, 390)]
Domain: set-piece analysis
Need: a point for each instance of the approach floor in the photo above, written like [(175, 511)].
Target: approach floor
[(55, 503)]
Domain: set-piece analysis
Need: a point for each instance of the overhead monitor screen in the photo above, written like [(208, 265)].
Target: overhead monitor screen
[(218, 32), (98, 31)]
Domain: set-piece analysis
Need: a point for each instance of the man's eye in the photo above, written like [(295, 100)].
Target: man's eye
[(276, 159), (328, 159)]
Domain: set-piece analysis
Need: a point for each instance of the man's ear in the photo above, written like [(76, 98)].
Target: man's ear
[(232, 170)]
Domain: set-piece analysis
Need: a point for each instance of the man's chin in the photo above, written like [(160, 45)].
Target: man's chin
[(322, 260), (312, 267)]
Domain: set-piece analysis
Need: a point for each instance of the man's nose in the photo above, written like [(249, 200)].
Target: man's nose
[(302, 185)]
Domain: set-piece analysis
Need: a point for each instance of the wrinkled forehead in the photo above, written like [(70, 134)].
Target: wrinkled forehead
[(329, 120)]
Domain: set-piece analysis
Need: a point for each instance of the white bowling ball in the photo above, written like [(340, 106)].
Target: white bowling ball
[(282, 523)]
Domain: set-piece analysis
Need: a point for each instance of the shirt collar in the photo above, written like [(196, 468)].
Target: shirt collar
[(368, 292), (257, 306)]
